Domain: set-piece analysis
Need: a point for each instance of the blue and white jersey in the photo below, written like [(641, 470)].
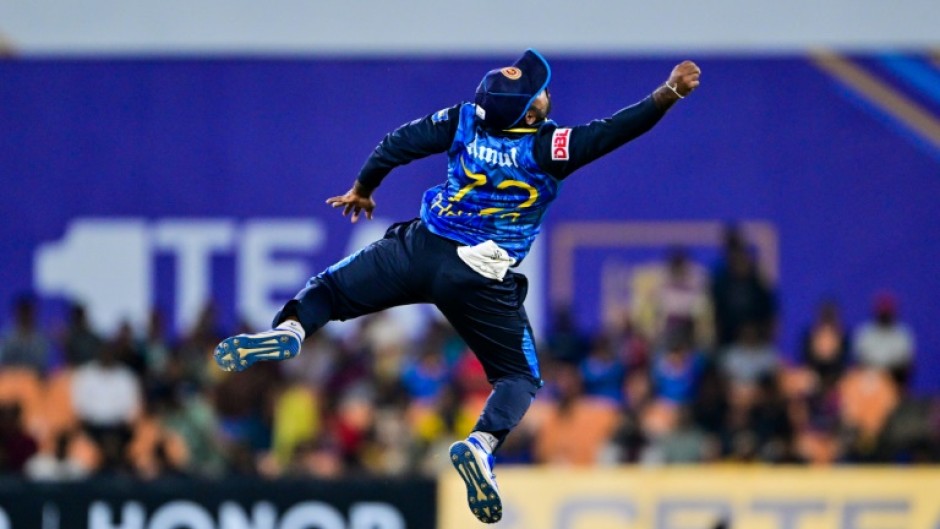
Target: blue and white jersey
[(499, 185), (495, 190)]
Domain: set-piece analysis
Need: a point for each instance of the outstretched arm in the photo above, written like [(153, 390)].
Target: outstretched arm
[(412, 141), (561, 151)]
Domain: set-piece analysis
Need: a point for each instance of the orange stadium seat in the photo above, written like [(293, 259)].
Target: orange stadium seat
[(24, 387), (575, 436), (868, 397), (142, 450), (84, 452), (57, 411)]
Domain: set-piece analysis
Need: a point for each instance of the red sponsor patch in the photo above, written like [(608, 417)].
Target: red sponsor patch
[(560, 144)]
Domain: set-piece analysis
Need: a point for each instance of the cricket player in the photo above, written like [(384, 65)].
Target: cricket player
[(505, 164)]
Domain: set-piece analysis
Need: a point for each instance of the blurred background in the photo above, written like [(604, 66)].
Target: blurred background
[(735, 313)]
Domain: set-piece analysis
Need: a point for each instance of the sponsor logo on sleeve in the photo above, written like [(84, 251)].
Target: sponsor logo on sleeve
[(560, 139)]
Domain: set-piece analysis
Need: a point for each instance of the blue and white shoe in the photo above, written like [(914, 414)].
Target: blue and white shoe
[(475, 466), (239, 352)]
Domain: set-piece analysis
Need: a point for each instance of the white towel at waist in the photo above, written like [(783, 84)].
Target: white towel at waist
[(487, 259)]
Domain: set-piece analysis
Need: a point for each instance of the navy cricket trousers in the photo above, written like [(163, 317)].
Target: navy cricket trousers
[(412, 265)]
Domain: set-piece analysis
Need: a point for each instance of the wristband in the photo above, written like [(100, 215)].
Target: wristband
[(674, 91)]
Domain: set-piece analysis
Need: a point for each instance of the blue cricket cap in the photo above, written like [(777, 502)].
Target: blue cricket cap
[(505, 94)]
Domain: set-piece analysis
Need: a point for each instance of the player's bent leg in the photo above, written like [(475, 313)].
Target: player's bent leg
[(240, 352), (371, 280), (303, 315)]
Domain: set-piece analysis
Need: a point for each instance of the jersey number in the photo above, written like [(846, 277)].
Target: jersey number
[(477, 180)]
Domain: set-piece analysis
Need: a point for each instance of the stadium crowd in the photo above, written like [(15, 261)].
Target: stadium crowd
[(689, 374)]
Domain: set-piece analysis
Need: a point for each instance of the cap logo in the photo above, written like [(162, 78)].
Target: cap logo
[(511, 72)]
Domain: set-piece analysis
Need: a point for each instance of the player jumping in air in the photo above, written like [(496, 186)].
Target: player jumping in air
[(506, 161)]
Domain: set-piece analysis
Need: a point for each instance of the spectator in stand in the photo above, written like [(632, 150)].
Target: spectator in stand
[(676, 372), (732, 239), (884, 342), (750, 359), (351, 372), (107, 399), (23, 345), (353, 426), (318, 458), (164, 464), (155, 349), (602, 372), (684, 299), (386, 341), (910, 436), (470, 378), (244, 403), (755, 426), (80, 343), (126, 351), (739, 294), (242, 460), (435, 428), (826, 346), (710, 405), (315, 367), (189, 415), (630, 345), (566, 342), (738, 439), (674, 296), (674, 405), (771, 424), (574, 431), (425, 377), (673, 438), (196, 348), (628, 439), (16, 446)]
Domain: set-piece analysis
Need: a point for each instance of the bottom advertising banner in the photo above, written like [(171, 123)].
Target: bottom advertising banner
[(231, 504), (707, 498)]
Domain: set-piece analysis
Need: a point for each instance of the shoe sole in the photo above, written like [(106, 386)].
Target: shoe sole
[(239, 352), (482, 497)]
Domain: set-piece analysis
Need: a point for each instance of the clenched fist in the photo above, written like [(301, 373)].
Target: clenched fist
[(684, 78)]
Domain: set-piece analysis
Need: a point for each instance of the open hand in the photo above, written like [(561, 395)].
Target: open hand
[(356, 200)]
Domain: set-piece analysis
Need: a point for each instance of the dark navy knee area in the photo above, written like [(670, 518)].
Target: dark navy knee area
[(412, 265)]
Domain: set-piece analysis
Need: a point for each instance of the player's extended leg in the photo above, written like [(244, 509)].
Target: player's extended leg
[(473, 457), (489, 316), (371, 280)]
